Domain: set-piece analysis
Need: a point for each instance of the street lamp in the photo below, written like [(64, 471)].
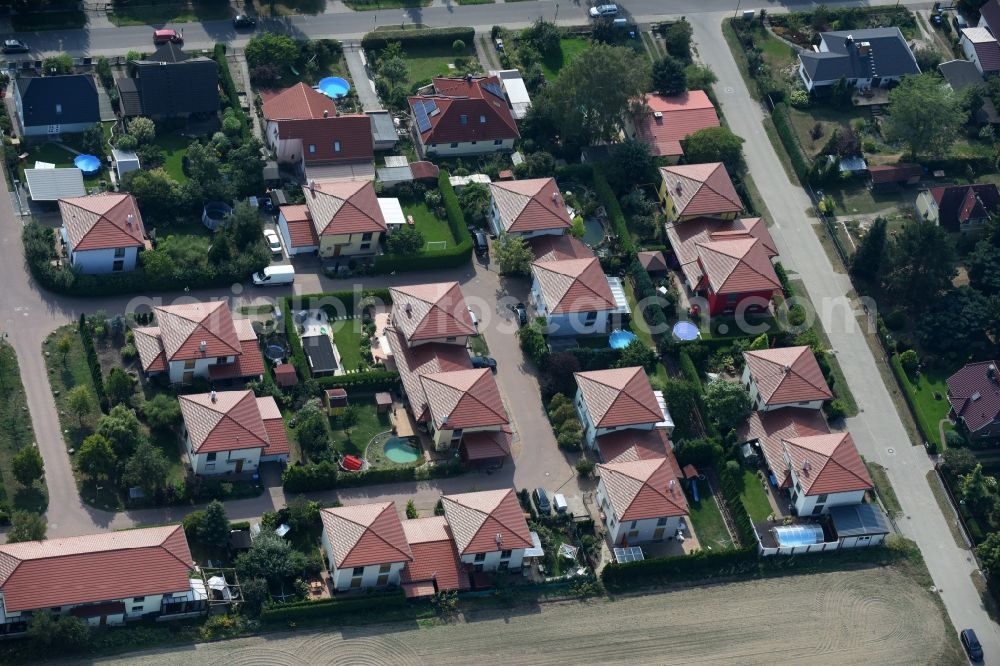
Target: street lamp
[(556, 20)]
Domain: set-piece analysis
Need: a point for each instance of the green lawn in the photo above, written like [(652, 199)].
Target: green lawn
[(929, 409), (54, 154), (707, 522), (347, 337), (165, 11), (430, 225), (67, 20), (426, 62), (754, 497), (884, 488), (15, 434), (477, 343), (638, 324), (174, 147), (569, 48), (370, 423), (63, 376)]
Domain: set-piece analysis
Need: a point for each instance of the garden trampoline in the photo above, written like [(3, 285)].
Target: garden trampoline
[(88, 164)]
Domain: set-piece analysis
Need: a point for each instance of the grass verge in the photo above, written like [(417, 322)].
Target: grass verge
[(884, 489), (15, 434), (947, 510), (68, 20), (161, 13), (928, 409)]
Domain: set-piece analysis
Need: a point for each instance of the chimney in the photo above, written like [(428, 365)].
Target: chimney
[(805, 467), (788, 369), (671, 486), (202, 346), (499, 539), (326, 113), (128, 220), (214, 396), (312, 187), (408, 309), (677, 188)]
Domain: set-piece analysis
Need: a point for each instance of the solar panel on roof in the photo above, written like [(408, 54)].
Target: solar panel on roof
[(431, 106), (494, 88), (420, 113)]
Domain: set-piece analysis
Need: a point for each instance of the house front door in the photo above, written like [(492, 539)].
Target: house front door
[(104, 620), (336, 250), (188, 377), (658, 534), (239, 465)]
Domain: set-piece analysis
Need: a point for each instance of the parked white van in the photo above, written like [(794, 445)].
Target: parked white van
[(274, 276)]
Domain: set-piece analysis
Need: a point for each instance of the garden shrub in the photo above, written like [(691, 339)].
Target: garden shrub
[(783, 125), (87, 338), (376, 41), (371, 381), (835, 409), (366, 605), (731, 488)]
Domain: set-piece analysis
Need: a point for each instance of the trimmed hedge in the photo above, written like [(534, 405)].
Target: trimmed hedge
[(783, 125), (87, 338), (644, 289), (299, 359), (349, 299), (786, 285), (326, 476), (376, 41), (741, 519), (452, 257), (228, 85), (696, 566), (374, 380), (333, 608), (615, 215), (689, 371)]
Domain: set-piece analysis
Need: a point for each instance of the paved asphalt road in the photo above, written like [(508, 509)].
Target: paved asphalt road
[(28, 315)]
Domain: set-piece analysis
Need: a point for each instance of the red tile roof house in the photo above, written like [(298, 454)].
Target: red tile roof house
[(974, 394), (610, 401), (820, 472), (465, 410), (556, 248), (963, 208), (574, 296), (199, 340), (435, 566), (642, 500), (338, 219), (232, 432), (490, 531), (666, 121), (463, 116), (688, 191), (103, 232), (785, 377), (428, 313), (726, 262), (104, 579), (304, 129), (365, 545), (528, 208)]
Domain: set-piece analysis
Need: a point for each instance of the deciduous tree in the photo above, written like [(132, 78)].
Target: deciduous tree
[(728, 403), (162, 411), (921, 264), (80, 401), (669, 76), (714, 144), (146, 468), (27, 465), (513, 255), (405, 241), (121, 427), (25, 526), (97, 458), (924, 115)]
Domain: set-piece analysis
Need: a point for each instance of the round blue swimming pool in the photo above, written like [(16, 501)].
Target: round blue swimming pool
[(333, 86), (400, 451), (685, 330), (88, 164)]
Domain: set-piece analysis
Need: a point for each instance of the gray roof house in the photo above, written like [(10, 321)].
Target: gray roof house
[(171, 83), (56, 104), (962, 74), (865, 58)]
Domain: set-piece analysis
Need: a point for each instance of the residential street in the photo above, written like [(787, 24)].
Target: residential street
[(877, 430)]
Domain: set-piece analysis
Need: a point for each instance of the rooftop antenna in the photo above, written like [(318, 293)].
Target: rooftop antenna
[(214, 396)]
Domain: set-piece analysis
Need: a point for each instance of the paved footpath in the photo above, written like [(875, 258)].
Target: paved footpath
[(877, 429)]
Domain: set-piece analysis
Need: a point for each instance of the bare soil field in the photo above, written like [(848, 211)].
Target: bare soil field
[(871, 616)]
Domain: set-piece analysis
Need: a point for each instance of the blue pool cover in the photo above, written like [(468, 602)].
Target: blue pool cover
[(798, 535), (685, 330), (620, 339), (333, 86), (87, 163)]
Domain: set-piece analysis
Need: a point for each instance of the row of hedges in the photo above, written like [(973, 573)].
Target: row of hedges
[(689, 370), (333, 608), (351, 301), (615, 215), (452, 257), (95, 365), (375, 380), (783, 125), (228, 85), (326, 476), (376, 41), (741, 519), (298, 355), (645, 290)]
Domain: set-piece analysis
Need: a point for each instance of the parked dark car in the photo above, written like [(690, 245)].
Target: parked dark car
[(244, 21), (522, 314), (14, 46), (480, 244), (542, 501), (484, 362), (971, 644)]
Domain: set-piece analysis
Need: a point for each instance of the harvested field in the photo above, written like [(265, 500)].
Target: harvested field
[(877, 615)]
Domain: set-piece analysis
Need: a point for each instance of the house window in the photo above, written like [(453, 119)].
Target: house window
[(505, 554), (210, 457), (336, 146), (384, 568), (312, 148), (482, 120), (821, 499), (119, 252), (189, 364), (464, 119), (497, 142), (456, 435), (731, 298), (590, 318), (365, 246), (382, 580), (633, 534), (480, 557), (366, 237), (661, 522), (58, 108), (450, 338), (474, 142), (635, 524), (137, 600), (454, 145), (137, 609), (503, 566), (118, 266), (356, 582), (358, 571)]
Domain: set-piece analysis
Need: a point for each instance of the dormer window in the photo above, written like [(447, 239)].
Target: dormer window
[(482, 120), (58, 108), (464, 119), (336, 146), (312, 148)]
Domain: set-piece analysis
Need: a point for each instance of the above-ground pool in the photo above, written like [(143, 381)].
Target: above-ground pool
[(399, 450), (798, 535), (621, 339), (333, 86), (215, 213), (593, 231), (88, 164), (685, 330), (274, 352)]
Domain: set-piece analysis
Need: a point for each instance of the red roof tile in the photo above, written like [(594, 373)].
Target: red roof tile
[(487, 521), (223, 421), (701, 189), (632, 444), (619, 397), (184, 327), (643, 489), (986, 47), (424, 170), (557, 248), (102, 221), (737, 264), (468, 110), (652, 260), (461, 399), (487, 444), (300, 102), (301, 230), (530, 205), (428, 358), (974, 394), (894, 173), (431, 311), (150, 347), (787, 375), (274, 426), (826, 464), (344, 207), (681, 116), (94, 568), (685, 238), (434, 556), (770, 429), (991, 12), (573, 285), (321, 137), (365, 534)]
